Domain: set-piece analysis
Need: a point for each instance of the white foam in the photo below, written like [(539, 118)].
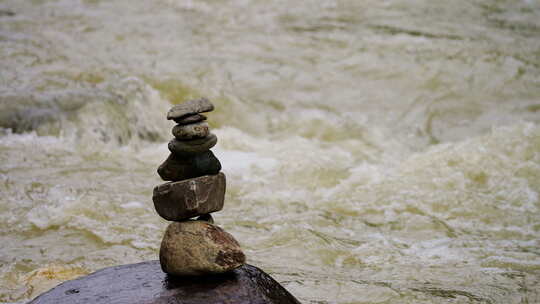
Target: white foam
[(132, 205)]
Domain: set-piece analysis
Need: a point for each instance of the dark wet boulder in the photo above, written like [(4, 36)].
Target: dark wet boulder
[(145, 283)]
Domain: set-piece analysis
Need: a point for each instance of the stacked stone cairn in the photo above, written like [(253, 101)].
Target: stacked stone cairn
[(196, 188)]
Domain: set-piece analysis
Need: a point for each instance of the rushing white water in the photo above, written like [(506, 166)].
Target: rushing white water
[(375, 151)]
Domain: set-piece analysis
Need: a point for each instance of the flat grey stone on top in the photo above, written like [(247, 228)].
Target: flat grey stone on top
[(177, 201), (190, 107), (146, 283)]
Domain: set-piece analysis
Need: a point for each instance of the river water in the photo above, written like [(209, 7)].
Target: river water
[(375, 151)]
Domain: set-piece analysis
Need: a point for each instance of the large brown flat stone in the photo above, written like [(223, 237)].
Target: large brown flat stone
[(177, 201), (145, 283)]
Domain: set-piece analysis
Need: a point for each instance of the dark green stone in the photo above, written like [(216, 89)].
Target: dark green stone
[(177, 168)]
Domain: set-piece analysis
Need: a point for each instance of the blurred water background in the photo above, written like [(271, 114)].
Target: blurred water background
[(375, 151)]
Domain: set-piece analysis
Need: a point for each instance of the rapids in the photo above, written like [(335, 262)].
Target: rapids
[(375, 151)]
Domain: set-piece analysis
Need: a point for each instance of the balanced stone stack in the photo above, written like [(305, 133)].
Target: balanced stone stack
[(196, 188)]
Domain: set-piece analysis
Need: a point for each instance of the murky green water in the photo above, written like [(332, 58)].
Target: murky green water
[(375, 151)]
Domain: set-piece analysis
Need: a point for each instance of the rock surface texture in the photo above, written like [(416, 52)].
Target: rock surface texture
[(145, 283), (198, 248), (177, 201)]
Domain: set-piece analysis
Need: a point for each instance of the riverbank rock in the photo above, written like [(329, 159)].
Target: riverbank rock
[(194, 146), (193, 248), (191, 131), (177, 201), (145, 283), (190, 107), (177, 168)]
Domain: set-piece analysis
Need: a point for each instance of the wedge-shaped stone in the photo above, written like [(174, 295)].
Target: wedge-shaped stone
[(198, 248), (207, 218), (186, 120), (194, 146), (177, 201), (190, 107), (177, 168)]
